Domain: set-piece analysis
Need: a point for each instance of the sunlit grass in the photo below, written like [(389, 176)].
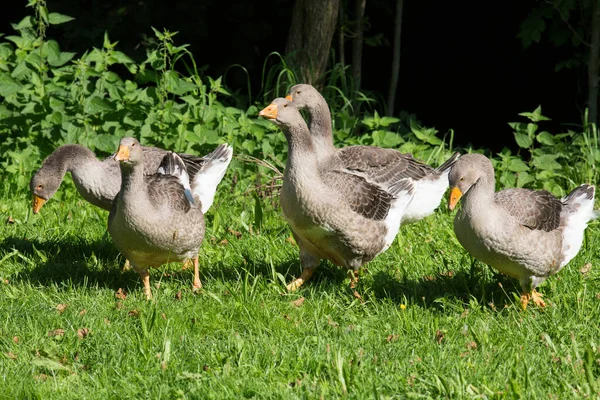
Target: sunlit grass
[(433, 323)]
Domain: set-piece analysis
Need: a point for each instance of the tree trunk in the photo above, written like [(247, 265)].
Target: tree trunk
[(395, 58), (594, 65), (342, 45), (357, 43), (309, 39)]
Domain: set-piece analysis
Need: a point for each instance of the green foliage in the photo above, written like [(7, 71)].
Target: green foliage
[(52, 97), (565, 23), (555, 162)]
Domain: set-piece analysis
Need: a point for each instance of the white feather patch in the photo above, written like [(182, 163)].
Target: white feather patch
[(575, 225), (428, 195), (394, 217), (206, 181)]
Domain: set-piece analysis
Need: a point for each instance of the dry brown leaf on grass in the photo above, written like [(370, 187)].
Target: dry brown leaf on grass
[(61, 308), (586, 268), (82, 312), (121, 294), (56, 332), (471, 345), (11, 355), (16, 339), (82, 332), (235, 233), (298, 302), (439, 336)]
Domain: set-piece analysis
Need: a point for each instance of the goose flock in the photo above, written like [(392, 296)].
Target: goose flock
[(345, 205)]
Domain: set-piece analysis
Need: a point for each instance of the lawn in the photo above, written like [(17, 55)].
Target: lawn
[(432, 322)]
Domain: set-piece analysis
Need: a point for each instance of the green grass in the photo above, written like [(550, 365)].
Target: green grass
[(433, 324)]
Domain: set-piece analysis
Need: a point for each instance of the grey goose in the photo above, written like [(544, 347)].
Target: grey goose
[(158, 218), (526, 234), (374, 163), (97, 181), (334, 212)]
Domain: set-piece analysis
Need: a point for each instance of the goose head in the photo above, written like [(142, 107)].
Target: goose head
[(467, 172)]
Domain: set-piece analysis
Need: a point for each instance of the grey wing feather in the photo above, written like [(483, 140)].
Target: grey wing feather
[(367, 199), (382, 166), (535, 209), (166, 190)]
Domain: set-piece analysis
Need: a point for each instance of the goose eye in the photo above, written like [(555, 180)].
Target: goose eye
[(40, 187), (285, 105), (462, 179)]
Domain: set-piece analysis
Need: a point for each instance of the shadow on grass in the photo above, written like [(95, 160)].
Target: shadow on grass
[(462, 286), (76, 262)]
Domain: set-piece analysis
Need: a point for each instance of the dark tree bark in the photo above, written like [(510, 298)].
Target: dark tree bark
[(357, 43), (395, 58), (342, 43), (594, 65), (310, 35)]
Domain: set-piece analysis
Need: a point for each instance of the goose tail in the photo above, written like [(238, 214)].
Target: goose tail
[(172, 164), (578, 210), (205, 182)]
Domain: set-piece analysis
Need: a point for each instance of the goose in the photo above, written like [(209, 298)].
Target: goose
[(526, 234), (337, 213), (158, 218), (97, 181), (430, 183)]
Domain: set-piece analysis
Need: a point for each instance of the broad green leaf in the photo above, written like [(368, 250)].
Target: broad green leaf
[(122, 58), (249, 145), (8, 85), (96, 105), (523, 140), (545, 138), (547, 162), (26, 22), (523, 178), (20, 41), (536, 115), (387, 121), (531, 128), (56, 18), (517, 165)]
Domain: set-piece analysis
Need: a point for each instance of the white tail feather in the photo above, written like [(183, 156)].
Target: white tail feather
[(204, 185), (578, 212)]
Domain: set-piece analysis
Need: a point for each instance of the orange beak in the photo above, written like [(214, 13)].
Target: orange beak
[(38, 202), (269, 112), (122, 154), (289, 97), (455, 195)]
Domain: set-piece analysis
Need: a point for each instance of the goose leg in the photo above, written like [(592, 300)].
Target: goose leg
[(187, 264), (126, 266), (525, 296), (145, 275), (353, 274), (196, 285), (536, 297), (309, 264), (304, 276)]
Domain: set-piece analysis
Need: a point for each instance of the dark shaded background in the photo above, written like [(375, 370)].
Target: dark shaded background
[(462, 66)]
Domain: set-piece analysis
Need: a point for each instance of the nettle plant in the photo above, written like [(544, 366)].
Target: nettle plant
[(555, 162), (51, 97)]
